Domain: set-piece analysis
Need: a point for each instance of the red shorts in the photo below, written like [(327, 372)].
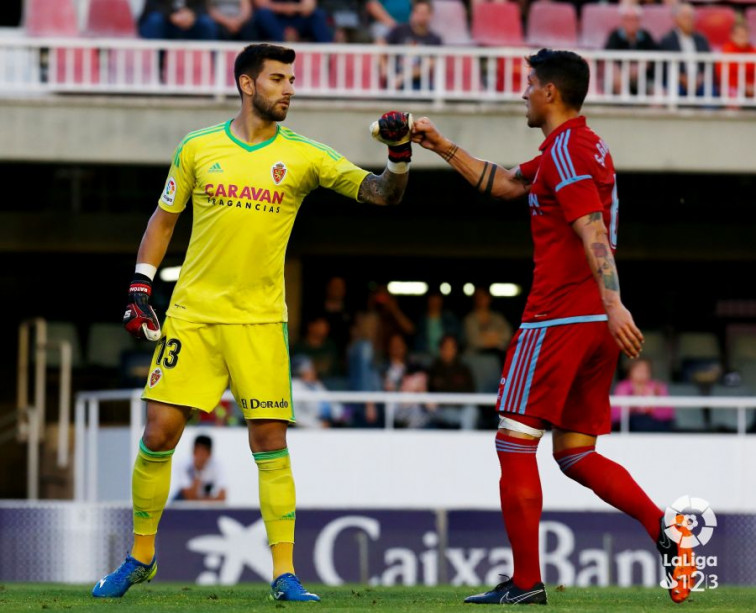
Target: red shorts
[(561, 373)]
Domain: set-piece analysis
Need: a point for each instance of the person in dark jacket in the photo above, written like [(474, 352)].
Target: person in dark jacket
[(180, 19), (684, 39)]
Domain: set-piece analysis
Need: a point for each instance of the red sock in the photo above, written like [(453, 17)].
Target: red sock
[(521, 503), (612, 483)]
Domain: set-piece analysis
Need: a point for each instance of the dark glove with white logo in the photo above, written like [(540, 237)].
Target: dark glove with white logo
[(140, 319), (395, 130)]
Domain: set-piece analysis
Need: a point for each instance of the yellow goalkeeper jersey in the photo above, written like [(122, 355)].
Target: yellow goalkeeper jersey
[(245, 198)]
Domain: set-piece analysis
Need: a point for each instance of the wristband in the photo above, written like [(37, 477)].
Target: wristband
[(398, 168), (148, 270)]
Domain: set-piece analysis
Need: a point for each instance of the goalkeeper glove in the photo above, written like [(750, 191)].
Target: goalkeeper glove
[(395, 130), (140, 319)]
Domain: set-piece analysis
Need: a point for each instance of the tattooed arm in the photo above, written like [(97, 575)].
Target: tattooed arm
[(386, 188), (592, 231), (487, 178)]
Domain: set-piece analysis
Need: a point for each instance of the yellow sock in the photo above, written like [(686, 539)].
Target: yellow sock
[(150, 483), (277, 504)]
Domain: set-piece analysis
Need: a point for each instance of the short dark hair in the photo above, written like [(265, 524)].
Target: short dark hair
[(250, 60), (566, 70), (203, 440), (428, 2)]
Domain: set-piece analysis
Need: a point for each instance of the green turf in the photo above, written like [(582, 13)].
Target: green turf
[(354, 599)]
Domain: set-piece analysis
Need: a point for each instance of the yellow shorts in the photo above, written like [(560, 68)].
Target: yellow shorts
[(195, 363)]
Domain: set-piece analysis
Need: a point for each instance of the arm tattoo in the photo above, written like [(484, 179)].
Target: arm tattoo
[(386, 188), (491, 177), (451, 153), (482, 175), (606, 269)]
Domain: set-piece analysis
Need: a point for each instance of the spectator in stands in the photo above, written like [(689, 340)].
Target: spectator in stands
[(318, 346), (435, 323), (312, 413), (292, 21), (362, 359), (485, 330), (201, 478), (640, 383), (181, 19), (629, 36), (336, 312), (448, 374), (402, 376), (685, 39), (387, 14), (739, 43), (345, 19), (385, 308), (233, 18), (415, 33)]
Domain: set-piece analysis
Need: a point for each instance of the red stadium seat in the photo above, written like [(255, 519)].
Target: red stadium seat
[(309, 68), (497, 24), (658, 20), (511, 75), (352, 72), (462, 74), (73, 66), (450, 22), (552, 24), (110, 18), (50, 18), (596, 22), (133, 67), (715, 22), (750, 17), (187, 68)]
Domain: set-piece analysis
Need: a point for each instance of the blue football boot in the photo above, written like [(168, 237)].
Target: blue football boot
[(117, 583), (508, 593), (288, 587)]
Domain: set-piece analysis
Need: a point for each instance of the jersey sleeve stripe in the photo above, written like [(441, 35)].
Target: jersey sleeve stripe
[(294, 137), (571, 180), (193, 135), (566, 153), (557, 159)]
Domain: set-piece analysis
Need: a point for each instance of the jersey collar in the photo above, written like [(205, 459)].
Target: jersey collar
[(575, 122), (247, 146)]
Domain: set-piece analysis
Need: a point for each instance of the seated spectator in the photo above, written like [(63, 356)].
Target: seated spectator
[(485, 330), (685, 39), (387, 14), (345, 19), (312, 414), (391, 320), (201, 478), (640, 383), (336, 312), (416, 33), (177, 19), (629, 36), (739, 43), (449, 374), (234, 19), (317, 345), (401, 376), (435, 323), (292, 21)]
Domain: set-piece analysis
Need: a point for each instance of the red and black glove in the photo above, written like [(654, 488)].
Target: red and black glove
[(395, 130), (140, 319)]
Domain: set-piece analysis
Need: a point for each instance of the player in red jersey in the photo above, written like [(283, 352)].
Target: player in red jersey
[(560, 364)]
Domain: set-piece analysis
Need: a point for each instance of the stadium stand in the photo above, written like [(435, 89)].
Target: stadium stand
[(552, 24), (750, 19), (692, 419), (106, 344), (184, 67), (715, 22), (110, 18), (726, 420), (450, 22), (497, 24), (64, 331), (596, 22)]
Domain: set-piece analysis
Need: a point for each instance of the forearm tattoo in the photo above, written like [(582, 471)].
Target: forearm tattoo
[(450, 153), (606, 268), (386, 188)]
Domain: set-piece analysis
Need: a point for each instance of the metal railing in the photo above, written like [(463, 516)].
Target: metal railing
[(360, 72), (31, 417), (87, 417)]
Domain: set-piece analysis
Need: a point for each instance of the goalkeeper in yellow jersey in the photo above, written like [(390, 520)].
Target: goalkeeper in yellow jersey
[(226, 324)]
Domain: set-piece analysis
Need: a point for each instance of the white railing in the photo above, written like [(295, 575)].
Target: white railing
[(356, 72), (87, 417)]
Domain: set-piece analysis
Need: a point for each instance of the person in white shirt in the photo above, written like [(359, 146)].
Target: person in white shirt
[(202, 477)]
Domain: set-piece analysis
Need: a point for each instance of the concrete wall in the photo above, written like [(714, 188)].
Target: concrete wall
[(144, 130)]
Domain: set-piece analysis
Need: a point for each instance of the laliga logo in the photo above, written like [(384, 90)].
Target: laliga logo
[(683, 516)]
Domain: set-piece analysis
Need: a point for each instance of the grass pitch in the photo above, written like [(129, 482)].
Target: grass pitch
[(252, 598)]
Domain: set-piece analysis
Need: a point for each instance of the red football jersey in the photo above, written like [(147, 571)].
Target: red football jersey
[(573, 176)]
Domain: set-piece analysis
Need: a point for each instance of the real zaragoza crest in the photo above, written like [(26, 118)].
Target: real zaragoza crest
[(278, 170)]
